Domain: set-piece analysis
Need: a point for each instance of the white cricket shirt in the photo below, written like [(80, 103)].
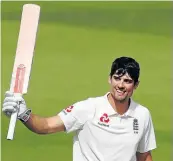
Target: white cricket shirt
[(104, 135)]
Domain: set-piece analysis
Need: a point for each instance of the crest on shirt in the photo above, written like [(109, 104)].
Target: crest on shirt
[(68, 109), (135, 126), (104, 120)]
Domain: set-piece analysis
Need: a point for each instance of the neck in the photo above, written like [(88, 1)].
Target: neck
[(119, 106)]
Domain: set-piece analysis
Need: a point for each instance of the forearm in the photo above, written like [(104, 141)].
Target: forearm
[(41, 125), (37, 124), (149, 158), (144, 156)]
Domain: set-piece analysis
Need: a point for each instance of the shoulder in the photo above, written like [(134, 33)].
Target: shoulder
[(88, 105), (141, 111), (91, 101)]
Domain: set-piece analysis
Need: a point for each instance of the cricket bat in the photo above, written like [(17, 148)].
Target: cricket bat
[(24, 56)]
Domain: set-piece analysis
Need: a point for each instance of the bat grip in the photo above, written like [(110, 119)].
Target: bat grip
[(12, 124)]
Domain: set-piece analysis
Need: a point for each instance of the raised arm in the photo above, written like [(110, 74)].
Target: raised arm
[(37, 124), (144, 156), (41, 125)]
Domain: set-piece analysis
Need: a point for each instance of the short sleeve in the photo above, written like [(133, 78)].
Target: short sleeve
[(148, 141), (75, 116)]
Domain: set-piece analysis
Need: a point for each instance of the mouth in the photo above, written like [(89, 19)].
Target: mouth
[(120, 92)]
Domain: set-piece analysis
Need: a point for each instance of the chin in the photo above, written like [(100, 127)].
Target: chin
[(121, 99)]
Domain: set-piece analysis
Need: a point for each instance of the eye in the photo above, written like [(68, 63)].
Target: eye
[(116, 78), (128, 81)]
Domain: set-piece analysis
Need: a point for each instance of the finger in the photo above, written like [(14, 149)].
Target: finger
[(9, 94), (9, 109), (10, 99), (8, 113), (14, 104), (13, 99)]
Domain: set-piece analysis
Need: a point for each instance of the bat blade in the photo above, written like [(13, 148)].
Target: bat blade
[(24, 56), (25, 47)]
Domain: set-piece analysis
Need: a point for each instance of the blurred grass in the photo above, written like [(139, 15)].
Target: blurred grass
[(123, 16), (76, 43)]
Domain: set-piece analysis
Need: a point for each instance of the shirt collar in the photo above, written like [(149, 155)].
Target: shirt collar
[(128, 113)]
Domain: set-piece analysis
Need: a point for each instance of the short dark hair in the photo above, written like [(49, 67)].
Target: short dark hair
[(124, 65)]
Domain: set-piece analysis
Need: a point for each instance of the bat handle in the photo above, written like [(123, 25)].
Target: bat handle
[(12, 125)]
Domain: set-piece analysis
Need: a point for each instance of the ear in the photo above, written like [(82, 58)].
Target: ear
[(137, 84), (109, 79)]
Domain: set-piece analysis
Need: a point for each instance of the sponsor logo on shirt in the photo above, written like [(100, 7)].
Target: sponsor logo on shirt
[(135, 126), (104, 120)]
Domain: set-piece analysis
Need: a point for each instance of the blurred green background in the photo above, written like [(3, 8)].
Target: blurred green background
[(76, 44)]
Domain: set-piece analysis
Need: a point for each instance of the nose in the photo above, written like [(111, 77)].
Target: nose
[(121, 84)]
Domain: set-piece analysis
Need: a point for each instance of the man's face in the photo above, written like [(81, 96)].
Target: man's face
[(122, 87)]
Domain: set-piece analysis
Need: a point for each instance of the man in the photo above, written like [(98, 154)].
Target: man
[(108, 128)]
